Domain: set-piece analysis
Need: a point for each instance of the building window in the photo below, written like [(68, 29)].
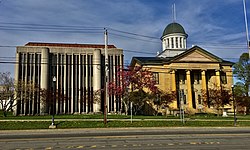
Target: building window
[(223, 77), (199, 99), (197, 78), (156, 77), (167, 42), (176, 42), (172, 42), (182, 79), (185, 99)]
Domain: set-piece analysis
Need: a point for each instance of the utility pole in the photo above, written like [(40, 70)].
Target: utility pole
[(246, 23), (106, 97)]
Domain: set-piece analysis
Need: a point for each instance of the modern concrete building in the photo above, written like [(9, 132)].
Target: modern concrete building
[(76, 71), (186, 71)]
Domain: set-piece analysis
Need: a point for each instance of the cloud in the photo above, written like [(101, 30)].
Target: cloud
[(207, 22)]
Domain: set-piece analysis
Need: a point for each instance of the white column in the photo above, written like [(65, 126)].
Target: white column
[(97, 79), (184, 43), (163, 44), (174, 42), (44, 74), (16, 79), (114, 78)]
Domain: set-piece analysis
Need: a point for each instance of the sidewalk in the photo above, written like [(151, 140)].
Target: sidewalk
[(83, 132), (186, 119)]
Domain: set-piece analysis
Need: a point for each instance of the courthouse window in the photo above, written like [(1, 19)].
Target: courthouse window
[(199, 99), (223, 78), (197, 77), (156, 77)]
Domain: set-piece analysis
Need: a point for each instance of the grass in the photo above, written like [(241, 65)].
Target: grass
[(113, 124), (81, 116), (32, 122)]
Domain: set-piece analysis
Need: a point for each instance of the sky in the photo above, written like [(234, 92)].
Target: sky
[(136, 26)]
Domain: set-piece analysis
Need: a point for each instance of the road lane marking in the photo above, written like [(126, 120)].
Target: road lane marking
[(82, 146)]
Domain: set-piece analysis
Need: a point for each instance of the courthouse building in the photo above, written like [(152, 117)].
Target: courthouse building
[(76, 71), (188, 71)]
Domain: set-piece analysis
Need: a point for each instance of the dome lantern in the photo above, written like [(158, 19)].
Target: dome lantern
[(174, 37)]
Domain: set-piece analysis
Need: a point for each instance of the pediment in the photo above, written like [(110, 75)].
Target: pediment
[(196, 56)]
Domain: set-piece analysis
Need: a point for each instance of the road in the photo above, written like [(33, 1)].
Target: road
[(127, 139)]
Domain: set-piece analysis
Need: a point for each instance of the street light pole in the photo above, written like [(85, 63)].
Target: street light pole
[(53, 102), (234, 107)]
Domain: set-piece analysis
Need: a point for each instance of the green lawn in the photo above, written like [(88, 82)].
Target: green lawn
[(81, 116), (10, 125), (32, 122)]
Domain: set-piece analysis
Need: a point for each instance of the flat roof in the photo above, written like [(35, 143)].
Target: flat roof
[(68, 45)]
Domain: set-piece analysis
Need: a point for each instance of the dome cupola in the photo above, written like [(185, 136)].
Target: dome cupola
[(173, 28), (174, 39)]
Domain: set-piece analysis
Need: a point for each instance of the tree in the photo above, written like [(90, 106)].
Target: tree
[(88, 95), (217, 97), (13, 93), (242, 100), (242, 72), (138, 98), (163, 99), (49, 98), (141, 83)]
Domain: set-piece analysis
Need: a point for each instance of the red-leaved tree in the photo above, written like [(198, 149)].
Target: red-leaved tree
[(131, 80), (217, 97)]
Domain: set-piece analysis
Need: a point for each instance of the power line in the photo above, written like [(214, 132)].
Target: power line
[(90, 30), (4, 46), (42, 27), (133, 38), (44, 30), (49, 25), (139, 52), (135, 34)]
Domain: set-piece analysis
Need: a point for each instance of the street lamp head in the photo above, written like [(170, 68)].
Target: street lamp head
[(54, 79), (232, 86)]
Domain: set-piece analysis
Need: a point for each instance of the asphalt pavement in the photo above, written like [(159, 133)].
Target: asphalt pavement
[(196, 138)]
